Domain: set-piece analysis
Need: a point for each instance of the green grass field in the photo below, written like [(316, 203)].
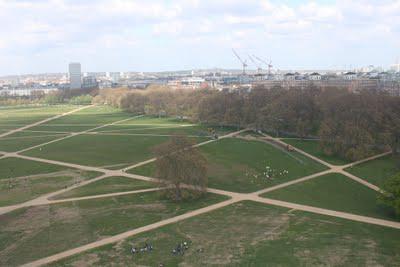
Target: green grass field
[(100, 150), (106, 186), (238, 165), (378, 170), (58, 227), (263, 236), (242, 234), (18, 190), (335, 192), (15, 167), (62, 128), (85, 119), (312, 147), (195, 130), (16, 118), (22, 140), (147, 120)]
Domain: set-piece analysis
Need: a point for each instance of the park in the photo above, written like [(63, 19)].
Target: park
[(78, 187)]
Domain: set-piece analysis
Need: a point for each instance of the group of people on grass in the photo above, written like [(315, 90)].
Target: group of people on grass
[(178, 250), (145, 248)]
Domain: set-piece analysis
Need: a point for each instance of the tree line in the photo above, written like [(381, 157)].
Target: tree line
[(61, 96), (350, 125)]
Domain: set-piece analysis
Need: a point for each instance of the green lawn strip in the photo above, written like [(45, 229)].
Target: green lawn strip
[(138, 128), (149, 120), (197, 130), (64, 128), (97, 115), (168, 129), (11, 144), (100, 150), (147, 170), (59, 227), (18, 190), (159, 130), (15, 167), (312, 147), (27, 134), (378, 170), (239, 165), (254, 234), (106, 186), (21, 117), (6, 109), (335, 192)]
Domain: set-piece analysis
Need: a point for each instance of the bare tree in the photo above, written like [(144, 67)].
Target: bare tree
[(181, 168)]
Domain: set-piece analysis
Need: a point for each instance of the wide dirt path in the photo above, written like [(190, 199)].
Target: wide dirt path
[(234, 197)]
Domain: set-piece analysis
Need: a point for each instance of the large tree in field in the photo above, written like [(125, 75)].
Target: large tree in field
[(179, 164)]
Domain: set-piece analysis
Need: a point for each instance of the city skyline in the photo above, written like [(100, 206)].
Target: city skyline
[(44, 36)]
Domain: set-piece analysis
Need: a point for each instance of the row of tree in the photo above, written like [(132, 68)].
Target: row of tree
[(351, 125), (65, 96)]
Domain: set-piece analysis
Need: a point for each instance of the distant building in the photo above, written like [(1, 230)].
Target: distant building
[(75, 79), (115, 77), (350, 75), (395, 67), (290, 76), (103, 84), (315, 76), (89, 82), (26, 91)]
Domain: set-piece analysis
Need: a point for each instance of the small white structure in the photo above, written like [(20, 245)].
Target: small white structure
[(395, 67), (315, 76), (350, 75), (290, 76)]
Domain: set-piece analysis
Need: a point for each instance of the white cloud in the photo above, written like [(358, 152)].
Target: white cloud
[(171, 27), (54, 26)]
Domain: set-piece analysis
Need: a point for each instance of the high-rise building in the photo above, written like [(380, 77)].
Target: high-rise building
[(115, 76), (396, 67), (89, 82), (75, 78)]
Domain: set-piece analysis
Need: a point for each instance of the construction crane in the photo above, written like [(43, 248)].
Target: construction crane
[(259, 69), (244, 62), (268, 64)]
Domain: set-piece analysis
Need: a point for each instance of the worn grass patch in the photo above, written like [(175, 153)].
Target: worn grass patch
[(106, 186), (378, 170), (56, 228), (254, 234), (312, 147), (335, 192), (239, 165)]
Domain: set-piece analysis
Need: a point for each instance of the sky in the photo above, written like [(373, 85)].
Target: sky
[(38, 36)]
